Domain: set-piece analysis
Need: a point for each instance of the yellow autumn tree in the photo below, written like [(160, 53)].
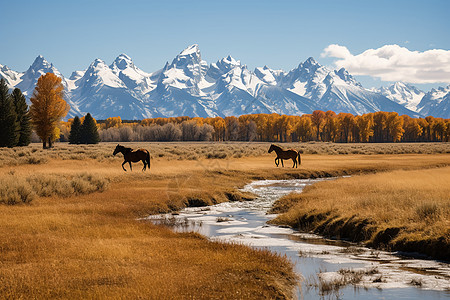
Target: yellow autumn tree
[(365, 127), (48, 107), (113, 122), (394, 124), (318, 120)]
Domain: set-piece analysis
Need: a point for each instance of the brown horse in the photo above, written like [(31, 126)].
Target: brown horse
[(130, 155), (285, 154)]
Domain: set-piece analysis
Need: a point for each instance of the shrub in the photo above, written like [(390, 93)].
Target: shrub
[(14, 191)]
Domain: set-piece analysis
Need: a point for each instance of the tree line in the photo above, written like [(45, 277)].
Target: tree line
[(318, 126)]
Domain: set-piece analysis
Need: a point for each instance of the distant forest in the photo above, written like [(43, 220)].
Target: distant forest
[(319, 126)]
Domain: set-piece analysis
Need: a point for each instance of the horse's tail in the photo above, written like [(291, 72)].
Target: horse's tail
[(148, 159), (299, 158)]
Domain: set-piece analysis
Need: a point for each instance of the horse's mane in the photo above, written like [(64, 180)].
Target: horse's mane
[(125, 149), (277, 147)]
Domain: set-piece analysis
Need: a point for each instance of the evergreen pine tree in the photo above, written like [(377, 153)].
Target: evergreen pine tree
[(75, 131), (89, 133), (23, 117), (8, 118)]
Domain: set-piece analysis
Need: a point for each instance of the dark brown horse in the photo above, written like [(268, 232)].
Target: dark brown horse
[(130, 155), (285, 154)]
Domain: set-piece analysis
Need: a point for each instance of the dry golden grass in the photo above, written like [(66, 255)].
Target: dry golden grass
[(93, 246), (34, 154), (404, 210)]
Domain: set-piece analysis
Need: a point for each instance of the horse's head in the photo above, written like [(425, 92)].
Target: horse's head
[(118, 149), (271, 148)]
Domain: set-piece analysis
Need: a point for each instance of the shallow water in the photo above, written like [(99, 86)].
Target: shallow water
[(357, 272)]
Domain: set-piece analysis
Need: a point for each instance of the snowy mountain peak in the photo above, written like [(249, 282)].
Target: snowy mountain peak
[(404, 94), (185, 72), (124, 56), (399, 85), (98, 73), (230, 60), (310, 68), (122, 62), (11, 77), (131, 75), (40, 63), (189, 61), (76, 75), (436, 102), (310, 62), (190, 55), (269, 76), (98, 62), (30, 77), (191, 50), (345, 76), (223, 66), (228, 63)]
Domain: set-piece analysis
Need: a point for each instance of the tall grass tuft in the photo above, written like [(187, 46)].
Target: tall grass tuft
[(15, 190), (428, 211)]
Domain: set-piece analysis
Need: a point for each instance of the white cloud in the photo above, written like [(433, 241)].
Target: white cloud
[(394, 63)]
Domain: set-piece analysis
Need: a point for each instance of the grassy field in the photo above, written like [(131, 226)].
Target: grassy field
[(400, 210), (91, 245), (34, 154)]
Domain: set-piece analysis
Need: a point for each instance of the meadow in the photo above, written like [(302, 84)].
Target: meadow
[(71, 225), (34, 154), (396, 210)]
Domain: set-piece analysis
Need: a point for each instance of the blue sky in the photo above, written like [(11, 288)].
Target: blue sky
[(280, 34)]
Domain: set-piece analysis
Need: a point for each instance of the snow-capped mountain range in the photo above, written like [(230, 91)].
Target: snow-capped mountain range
[(189, 86)]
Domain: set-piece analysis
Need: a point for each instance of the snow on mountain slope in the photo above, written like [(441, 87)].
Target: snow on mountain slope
[(269, 76), (336, 90), (30, 77), (404, 94), (239, 91), (306, 80), (436, 103), (101, 92), (358, 101), (441, 109), (189, 86), (282, 101), (188, 65), (133, 77), (11, 77)]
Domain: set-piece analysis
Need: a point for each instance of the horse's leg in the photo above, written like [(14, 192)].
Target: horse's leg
[(295, 162), (277, 161), (124, 162), (131, 168), (282, 163), (145, 165)]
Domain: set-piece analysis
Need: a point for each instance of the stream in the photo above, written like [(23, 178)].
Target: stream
[(329, 269)]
